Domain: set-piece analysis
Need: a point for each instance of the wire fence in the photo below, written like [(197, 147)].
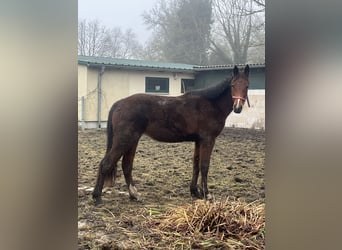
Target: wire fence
[(87, 101)]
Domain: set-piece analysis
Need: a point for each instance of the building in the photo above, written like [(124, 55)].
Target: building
[(103, 81)]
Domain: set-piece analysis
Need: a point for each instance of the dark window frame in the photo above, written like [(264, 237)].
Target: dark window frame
[(189, 84), (159, 85)]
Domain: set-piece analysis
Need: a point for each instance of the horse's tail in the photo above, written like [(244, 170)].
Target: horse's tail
[(110, 129), (109, 177)]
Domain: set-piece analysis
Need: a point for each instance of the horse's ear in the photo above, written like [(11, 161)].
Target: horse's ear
[(247, 70), (235, 71)]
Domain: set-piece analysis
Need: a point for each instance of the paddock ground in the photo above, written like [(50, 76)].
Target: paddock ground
[(162, 172)]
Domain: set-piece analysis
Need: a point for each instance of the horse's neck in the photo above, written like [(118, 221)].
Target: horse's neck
[(225, 103)]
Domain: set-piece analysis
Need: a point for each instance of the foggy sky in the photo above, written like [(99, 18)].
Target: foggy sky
[(118, 13)]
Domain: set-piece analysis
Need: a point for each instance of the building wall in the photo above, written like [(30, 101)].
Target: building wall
[(137, 81), (82, 87), (116, 84), (91, 96)]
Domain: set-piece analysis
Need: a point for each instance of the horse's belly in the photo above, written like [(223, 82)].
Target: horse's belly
[(169, 135)]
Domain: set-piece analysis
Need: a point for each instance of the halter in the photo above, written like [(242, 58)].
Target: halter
[(242, 98)]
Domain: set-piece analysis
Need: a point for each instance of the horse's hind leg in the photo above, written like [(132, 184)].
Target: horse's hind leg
[(106, 173), (127, 167)]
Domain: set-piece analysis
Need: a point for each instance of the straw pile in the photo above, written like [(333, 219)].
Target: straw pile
[(232, 223)]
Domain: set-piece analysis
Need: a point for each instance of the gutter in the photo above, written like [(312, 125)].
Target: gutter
[(226, 67), (138, 67)]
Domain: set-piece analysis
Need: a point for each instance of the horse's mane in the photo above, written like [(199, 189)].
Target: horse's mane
[(212, 92)]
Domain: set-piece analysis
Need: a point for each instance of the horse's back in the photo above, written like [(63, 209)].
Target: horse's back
[(164, 118)]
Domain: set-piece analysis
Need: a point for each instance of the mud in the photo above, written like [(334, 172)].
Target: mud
[(162, 173)]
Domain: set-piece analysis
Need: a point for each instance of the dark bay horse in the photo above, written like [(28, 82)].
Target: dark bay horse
[(198, 116)]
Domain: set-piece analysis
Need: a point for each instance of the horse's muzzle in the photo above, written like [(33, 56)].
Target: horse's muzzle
[(238, 103), (237, 109)]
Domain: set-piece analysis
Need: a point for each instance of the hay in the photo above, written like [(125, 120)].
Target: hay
[(232, 223)]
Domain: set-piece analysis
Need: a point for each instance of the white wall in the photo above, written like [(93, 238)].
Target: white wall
[(117, 84)]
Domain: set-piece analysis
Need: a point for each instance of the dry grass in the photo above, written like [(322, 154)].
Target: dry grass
[(232, 224)]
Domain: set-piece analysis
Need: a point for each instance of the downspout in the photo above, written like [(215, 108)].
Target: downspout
[(99, 96)]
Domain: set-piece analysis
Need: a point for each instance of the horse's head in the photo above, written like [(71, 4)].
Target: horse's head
[(239, 86)]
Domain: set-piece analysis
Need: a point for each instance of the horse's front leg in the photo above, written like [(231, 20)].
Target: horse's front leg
[(206, 147), (195, 172)]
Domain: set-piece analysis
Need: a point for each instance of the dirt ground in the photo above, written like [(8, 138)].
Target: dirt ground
[(162, 172)]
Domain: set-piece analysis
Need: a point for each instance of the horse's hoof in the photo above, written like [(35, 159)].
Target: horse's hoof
[(196, 195), (201, 193), (98, 202), (133, 193), (97, 199), (209, 197), (137, 199)]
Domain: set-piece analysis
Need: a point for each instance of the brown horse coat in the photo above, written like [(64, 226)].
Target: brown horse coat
[(197, 116)]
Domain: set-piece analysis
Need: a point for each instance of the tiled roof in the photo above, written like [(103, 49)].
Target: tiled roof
[(159, 66), (134, 64)]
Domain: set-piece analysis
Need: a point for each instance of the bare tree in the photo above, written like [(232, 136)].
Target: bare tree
[(258, 7), (154, 49), (131, 48), (115, 43), (92, 38), (181, 30), (237, 27), (95, 39), (261, 4), (123, 44)]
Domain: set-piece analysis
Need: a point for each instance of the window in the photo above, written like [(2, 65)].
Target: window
[(156, 85), (188, 84)]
